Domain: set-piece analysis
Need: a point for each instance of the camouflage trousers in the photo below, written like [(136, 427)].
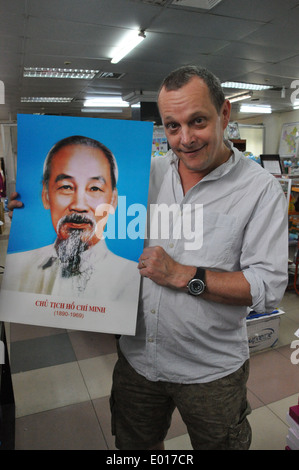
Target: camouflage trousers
[(215, 413)]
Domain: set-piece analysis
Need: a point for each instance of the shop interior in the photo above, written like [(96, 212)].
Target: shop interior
[(58, 59)]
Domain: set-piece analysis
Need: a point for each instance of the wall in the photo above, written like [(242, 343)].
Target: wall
[(254, 136), (273, 125)]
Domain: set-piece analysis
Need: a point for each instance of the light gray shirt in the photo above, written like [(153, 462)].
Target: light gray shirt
[(186, 339)]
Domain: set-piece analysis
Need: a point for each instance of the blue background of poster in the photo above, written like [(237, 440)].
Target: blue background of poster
[(129, 141)]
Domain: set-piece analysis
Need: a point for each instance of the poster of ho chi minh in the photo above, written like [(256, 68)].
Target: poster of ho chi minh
[(74, 245)]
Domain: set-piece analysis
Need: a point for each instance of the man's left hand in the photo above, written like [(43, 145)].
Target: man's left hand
[(158, 266)]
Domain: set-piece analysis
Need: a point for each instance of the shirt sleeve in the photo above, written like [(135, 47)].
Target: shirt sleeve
[(264, 259)]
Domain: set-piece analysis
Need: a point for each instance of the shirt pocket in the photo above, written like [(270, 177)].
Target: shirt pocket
[(218, 241)]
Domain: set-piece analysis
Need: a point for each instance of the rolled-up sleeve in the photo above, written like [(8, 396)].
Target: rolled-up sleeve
[(264, 259)]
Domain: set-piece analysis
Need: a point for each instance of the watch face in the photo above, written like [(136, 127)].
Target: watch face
[(196, 286)]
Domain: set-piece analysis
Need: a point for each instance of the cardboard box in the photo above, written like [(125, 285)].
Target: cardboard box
[(263, 330)]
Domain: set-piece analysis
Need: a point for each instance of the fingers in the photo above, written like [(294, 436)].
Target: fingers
[(13, 203), (142, 263)]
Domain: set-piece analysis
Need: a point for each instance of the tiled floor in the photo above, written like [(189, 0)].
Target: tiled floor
[(62, 382)]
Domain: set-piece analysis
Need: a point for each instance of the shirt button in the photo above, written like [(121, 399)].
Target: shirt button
[(153, 310), (150, 340), (171, 245)]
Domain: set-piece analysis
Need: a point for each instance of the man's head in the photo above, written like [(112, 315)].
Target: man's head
[(80, 174), (180, 77), (195, 113)]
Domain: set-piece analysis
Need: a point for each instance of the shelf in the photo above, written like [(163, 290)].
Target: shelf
[(240, 144)]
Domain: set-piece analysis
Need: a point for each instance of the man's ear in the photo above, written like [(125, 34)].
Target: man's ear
[(225, 112), (45, 197), (114, 199)]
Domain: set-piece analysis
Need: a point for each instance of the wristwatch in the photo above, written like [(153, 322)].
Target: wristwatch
[(197, 285)]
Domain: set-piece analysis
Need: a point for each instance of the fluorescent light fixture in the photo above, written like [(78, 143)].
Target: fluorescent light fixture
[(41, 99), (130, 42), (2, 92), (239, 97), (46, 72), (245, 86), (296, 104), (101, 110), (246, 108), (106, 102), (201, 4), (136, 105)]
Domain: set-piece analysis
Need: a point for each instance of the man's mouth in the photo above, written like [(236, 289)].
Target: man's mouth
[(78, 225), (192, 152), (75, 222)]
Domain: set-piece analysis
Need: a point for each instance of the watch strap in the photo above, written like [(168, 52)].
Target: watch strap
[(200, 274)]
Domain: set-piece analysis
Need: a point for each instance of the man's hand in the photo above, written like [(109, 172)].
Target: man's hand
[(158, 266), (222, 287), (13, 203)]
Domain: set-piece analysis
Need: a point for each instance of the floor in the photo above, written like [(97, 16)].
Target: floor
[(62, 382)]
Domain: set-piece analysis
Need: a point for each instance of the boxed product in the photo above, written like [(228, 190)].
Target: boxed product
[(292, 439), (263, 329)]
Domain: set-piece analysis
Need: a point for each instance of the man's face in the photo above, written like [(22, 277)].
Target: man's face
[(80, 181), (193, 127)]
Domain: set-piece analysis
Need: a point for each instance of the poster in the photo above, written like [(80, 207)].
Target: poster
[(74, 247), (289, 140)]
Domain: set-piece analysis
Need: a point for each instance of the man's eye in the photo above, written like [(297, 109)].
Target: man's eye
[(199, 121), (95, 188), (65, 187), (172, 126)]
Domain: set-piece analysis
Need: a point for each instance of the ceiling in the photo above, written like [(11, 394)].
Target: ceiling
[(246, 40)]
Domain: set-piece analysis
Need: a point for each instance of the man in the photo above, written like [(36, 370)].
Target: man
[(191, 348), (79, 189)]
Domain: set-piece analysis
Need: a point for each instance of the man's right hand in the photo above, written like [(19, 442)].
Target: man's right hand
[(13, 203)]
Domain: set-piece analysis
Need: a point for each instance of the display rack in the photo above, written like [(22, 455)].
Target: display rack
[(290, 187), (240, 144)]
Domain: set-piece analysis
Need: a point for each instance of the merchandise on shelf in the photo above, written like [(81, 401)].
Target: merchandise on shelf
[(292, 439)]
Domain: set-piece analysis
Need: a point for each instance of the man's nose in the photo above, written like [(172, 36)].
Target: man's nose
[(187, 136), (79, 202)]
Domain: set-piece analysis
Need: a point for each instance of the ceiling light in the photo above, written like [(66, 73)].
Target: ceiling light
[(283, 92), (130, 42), (296, 104), (101, 110), (2, 92), (106, 102), (201, 4), (245, 86), (239, 97), (246, 108), (46, 72), (39, 99)]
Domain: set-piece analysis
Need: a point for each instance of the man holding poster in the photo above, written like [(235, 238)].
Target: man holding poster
[(68, 266)]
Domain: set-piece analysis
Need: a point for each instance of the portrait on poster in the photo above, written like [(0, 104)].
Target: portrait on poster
[(74, 246)]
